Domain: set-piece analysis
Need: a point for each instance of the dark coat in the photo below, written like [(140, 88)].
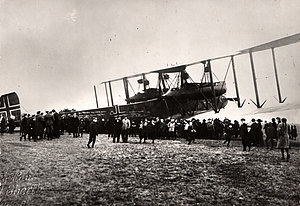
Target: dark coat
[(245, 135), (93, 128)]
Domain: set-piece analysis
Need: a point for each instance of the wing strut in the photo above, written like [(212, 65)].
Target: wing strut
[(106, 94), (125, 82), (257, 104), (236, 84), (214, 102), (111, 95), (276, 77)]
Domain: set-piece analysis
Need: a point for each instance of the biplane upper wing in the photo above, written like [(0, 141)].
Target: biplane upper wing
[(273, 44), (164, 70), (170, 69), (270, 45)]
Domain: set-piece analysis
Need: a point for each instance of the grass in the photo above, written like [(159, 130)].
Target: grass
[(65, 172)]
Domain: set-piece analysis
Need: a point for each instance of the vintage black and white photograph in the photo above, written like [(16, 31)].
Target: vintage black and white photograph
[(149, 102)]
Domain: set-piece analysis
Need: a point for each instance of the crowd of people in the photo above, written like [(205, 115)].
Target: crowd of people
[(46, 125), (255, 133)]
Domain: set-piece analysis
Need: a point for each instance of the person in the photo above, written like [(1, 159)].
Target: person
[(32, 127), (125, 129), (271, 133), (294, 132), (228, 131), (11, 124), (109, 125), (93, 132), (49, 125), (210, 129), (191, 132), (245, 135), (2, 124), (255, 132), (24, 127), (283, 138), (171, 129), (152, 130), (39, 130), (260, 139), (117, 129), (75, 122), (56, 124), (236, 129), (141, 131)]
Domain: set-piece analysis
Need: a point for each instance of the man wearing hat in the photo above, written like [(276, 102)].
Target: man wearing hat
[(228, 128), (93, 133), (24, 127), (245, 135), (254, 132)]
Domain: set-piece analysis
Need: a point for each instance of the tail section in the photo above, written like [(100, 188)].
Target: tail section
[(10, 106)]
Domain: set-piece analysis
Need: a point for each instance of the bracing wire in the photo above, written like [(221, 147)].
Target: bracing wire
[(24, 109), (131, 87)]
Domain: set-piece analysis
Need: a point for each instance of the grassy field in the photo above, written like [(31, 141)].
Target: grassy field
[(65, 172)]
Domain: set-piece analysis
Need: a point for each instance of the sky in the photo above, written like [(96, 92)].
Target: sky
[(52, 52)]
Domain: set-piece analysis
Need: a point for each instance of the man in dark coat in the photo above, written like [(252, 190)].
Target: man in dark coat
[(117, 129), (11, 124), (39, 129), (93, 128), (24, 127), (75, 122), (56, 124), (271, 132), (2, 124), (245, 135), (49, 125), (32, 127), (228, 131), (255, 132)]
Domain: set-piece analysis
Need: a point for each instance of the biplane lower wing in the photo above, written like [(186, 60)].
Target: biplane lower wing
[(158, 107)]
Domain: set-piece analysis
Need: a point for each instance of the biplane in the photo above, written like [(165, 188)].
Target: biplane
[(181, 96)]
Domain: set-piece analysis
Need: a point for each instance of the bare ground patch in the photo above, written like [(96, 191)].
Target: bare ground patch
[(65, 172)]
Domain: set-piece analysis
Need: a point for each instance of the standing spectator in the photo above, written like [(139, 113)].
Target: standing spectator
[(294, 132), (236, 129), (125, 129), (254, 132), (49, 125), (271, 133), (260, 139), (32, 127), (24, 127), (11, 124), (2, 124), (210, 129), (117, 129), (245, 135), (283, 138), (171, 129), (218, 128), (152, 130), (141, 131), (74, 121), (56, 124), (191, 132), (186, 129), (203, 129), (93, 128), (81, 127), (228, 132), (110, 125)]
